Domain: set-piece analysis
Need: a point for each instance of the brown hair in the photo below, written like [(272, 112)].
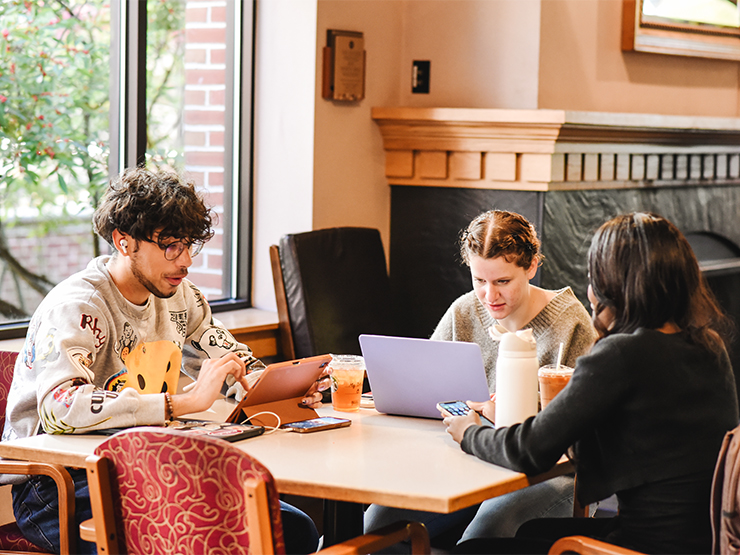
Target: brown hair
[(642, 268), (500, 233), (140, 202)]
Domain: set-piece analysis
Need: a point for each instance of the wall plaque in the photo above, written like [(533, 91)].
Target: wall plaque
[(344, 66)]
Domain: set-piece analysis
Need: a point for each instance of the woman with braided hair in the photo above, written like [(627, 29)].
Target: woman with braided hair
[(503, 253)]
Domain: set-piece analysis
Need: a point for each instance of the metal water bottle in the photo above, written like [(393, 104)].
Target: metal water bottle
[(517, 396)]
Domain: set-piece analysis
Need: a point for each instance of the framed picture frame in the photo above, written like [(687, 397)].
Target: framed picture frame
[(646, 31)]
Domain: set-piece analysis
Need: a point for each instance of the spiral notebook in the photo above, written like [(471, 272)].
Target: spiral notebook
[(410, 376)]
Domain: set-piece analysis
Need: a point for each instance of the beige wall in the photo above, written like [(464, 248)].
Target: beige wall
[(582, 67), (484, 53), (349, 182), (321, 164)]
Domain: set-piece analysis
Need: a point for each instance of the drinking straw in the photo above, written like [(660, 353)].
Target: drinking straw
[(560, 356)]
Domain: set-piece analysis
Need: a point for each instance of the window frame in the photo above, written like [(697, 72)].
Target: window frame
[(128, 133)]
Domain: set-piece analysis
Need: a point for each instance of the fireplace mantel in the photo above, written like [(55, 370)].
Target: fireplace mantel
[(551, 150)]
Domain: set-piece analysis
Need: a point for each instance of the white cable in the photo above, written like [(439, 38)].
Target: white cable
[(270, 429)]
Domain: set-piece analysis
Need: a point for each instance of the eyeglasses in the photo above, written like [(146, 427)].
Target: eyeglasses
[(174, 250)]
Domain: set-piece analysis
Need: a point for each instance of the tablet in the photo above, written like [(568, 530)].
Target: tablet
[(280, 389)]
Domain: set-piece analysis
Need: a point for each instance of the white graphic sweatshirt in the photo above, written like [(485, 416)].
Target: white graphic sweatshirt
[(94, 360)]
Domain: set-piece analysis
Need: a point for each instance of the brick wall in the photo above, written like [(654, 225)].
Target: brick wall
[(204, 129)]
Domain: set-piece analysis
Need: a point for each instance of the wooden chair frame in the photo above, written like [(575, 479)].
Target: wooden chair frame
[(66, 492), (286, 333), (582, 545)]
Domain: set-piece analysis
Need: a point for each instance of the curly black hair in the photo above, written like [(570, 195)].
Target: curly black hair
[(140, 202)]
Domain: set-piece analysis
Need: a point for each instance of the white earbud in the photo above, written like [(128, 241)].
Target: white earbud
[(124, 245)]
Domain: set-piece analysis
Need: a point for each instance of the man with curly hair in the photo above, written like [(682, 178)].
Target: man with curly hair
[(106, 346)]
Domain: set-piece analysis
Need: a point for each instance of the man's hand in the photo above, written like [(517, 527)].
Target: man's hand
[(207, 388)]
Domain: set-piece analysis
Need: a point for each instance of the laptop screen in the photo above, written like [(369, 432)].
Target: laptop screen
[(410, 376)]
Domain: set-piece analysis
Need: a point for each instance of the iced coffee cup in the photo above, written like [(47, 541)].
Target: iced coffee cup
[(347, 374), (552, 381)]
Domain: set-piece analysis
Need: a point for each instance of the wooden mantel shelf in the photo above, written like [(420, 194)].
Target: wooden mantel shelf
[(544, 150)]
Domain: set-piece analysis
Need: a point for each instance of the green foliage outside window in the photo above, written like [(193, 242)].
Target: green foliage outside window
[(54, 113), (54, 81)]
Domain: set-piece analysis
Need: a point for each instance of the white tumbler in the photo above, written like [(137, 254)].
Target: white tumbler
[(517, 394)]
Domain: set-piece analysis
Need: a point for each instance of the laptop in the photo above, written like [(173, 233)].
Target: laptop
[(408, 376)]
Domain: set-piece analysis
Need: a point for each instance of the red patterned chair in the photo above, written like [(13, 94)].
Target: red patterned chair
[(163, 491), (11, 538)]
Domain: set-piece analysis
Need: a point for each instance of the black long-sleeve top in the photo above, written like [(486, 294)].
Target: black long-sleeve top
[(641, 409)]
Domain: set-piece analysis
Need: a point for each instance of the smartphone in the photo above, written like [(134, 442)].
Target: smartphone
[(317, 424), (460, 408)]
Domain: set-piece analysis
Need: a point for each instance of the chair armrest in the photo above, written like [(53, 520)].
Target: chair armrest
[(384, 537), (66, 492), (587, 546), (87, 530)]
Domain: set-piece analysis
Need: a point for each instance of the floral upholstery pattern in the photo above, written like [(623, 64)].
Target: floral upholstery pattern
[(174, 493), (11, 538), (7, 363)]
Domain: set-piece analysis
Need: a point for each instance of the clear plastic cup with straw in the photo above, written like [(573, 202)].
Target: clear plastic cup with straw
[(553, 378)]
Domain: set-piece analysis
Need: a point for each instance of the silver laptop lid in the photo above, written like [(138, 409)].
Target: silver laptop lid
[(410, 376)]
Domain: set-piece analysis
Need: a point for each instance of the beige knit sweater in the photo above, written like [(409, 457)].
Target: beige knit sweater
[(564, 319)]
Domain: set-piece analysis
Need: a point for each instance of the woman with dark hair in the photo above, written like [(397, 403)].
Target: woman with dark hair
[(645, 411)]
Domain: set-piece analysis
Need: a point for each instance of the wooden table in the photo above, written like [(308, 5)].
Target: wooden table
[(396, 461)]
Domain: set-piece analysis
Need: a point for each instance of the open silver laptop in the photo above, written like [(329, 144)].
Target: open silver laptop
[(410, 376)]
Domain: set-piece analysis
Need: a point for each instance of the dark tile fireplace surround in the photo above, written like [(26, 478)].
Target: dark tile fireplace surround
[(567, 172)]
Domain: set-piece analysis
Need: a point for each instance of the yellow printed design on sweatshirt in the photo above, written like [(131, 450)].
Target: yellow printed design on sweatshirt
[(154, 367)]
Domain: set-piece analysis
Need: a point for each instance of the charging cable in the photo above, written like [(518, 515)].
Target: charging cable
[(269, 429)]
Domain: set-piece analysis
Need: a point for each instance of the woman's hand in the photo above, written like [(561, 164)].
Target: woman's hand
[(486, 408), (312, 398), (456, 425)]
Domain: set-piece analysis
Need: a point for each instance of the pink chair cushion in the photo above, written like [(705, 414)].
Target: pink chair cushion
[(7, 363), (175, 493), (11, 539)]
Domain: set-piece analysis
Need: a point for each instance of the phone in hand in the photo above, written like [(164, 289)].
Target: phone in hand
[(460, 408), (317, 424)]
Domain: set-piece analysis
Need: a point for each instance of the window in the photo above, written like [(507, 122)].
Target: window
[(90, 87)]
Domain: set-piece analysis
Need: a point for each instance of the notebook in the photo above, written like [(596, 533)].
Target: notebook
[(409, 376)]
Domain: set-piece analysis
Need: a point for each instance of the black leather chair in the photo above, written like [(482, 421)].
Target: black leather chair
[(331, 286)]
